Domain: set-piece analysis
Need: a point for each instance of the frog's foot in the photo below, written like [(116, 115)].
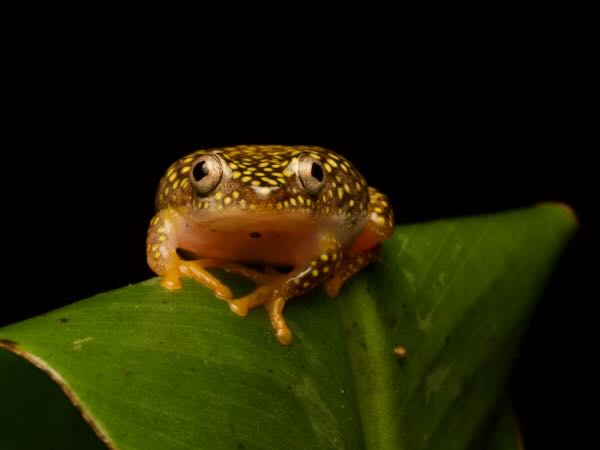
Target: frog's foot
[(197, 269), (260, 296), (270, 296)]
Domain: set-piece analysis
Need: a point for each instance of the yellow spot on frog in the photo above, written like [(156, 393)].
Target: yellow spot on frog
[(227, 200), (315, 273), (235, 175), (269, 181), (324, 257), (218, 195)]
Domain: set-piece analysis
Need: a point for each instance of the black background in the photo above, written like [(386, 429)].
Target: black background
[(449, 118)]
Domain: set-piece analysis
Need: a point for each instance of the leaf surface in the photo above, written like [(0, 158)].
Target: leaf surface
[(155, 369)]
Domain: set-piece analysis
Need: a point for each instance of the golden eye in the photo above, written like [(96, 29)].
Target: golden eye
[(311, 174), (206, 173)]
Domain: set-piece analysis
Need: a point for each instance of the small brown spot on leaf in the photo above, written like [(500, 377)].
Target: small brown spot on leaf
[(400, 353)]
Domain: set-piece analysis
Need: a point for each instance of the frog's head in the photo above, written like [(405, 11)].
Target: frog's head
[(274, 183)]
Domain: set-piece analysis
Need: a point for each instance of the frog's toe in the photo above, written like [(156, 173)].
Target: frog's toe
[(284, 335), (223, 292), (259, 296), (197, 272), (170, 283), (275, 310), (333, 285), (240, 307)]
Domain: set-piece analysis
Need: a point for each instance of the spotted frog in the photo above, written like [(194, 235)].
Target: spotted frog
[(304, 213)]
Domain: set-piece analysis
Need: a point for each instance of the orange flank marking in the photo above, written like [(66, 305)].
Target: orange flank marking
[(366, 241)]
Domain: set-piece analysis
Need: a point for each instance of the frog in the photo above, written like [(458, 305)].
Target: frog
[(304, 214)]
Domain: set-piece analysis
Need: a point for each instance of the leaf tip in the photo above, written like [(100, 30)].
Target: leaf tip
[(568, 209)]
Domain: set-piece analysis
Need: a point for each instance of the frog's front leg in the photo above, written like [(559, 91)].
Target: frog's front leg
[(161, 251), (364, 251), (279, 288)]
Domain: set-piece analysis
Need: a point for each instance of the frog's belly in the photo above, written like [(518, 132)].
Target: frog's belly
[(257, 244)]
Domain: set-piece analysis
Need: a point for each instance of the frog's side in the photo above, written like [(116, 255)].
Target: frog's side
[(304, 207)]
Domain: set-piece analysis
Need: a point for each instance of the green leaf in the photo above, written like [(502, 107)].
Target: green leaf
[(502, 432), (156, 369)]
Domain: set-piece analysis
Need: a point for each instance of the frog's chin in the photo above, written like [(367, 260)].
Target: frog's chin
[(245, 221)]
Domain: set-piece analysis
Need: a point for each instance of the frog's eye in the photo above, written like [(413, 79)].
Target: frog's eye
[(311, 173), (206, 173)]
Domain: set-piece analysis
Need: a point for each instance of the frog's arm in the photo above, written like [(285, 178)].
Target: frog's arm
[(364, 251), (161, 251)]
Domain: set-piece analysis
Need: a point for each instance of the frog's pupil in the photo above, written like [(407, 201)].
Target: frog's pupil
[(317, 172), (200, 170)]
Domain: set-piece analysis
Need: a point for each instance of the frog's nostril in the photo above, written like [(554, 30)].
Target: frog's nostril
[(255, 235)]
